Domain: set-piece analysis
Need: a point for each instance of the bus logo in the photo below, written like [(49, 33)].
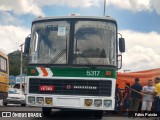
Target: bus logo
[(68, 87)]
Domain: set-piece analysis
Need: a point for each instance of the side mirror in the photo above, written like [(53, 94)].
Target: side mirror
[(121, 45), (27, 45)]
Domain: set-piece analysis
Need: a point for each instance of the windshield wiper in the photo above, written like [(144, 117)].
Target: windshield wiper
[(86, 58), (53, 60)]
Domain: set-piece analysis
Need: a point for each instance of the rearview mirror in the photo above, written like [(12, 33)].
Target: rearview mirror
[(27, 45), (121, 45)]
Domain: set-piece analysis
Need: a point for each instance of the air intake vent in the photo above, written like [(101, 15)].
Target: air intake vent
[(72, 87)]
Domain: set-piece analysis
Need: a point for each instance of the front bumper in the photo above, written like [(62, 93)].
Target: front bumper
[(14, 101), (73, 102)]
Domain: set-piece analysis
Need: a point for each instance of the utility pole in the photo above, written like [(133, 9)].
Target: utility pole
[(104, 12), (21, 66)]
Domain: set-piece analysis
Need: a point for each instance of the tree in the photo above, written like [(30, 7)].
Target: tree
[(14, 63)]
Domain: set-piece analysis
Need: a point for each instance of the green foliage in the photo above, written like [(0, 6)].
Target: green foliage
[(14, 63)]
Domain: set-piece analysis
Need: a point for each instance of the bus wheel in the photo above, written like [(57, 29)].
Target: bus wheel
[(98, 114), (46, 111), (23, 104), (5, 104)]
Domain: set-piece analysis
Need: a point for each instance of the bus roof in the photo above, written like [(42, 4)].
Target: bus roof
[(74, 17)]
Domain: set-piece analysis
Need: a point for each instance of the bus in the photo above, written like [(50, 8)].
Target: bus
[(4, 75), (73, 63)]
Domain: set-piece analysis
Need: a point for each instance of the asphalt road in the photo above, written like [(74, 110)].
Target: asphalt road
[(59, 115)]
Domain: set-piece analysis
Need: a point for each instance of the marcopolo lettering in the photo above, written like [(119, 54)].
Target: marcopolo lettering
[(85, 87)]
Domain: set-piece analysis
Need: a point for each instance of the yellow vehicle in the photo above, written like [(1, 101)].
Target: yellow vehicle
[(4, 75)]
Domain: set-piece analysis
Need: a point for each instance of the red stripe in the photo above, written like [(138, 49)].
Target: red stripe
[(45, 73)]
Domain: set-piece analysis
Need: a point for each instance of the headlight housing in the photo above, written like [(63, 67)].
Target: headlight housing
[(98, 102), (107, 103), (48, 100), (88, 102), (31, 100), (40, 100)]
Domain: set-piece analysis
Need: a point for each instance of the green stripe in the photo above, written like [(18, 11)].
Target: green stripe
[(78, 72)]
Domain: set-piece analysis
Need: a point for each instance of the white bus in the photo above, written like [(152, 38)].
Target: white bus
[(73, 63)]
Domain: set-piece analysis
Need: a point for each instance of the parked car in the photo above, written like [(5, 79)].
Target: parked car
[(15, 96)]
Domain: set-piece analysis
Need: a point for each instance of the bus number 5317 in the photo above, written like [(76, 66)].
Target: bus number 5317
[(92, 73)]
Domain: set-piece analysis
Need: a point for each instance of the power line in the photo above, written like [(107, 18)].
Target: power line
[(104, 8)]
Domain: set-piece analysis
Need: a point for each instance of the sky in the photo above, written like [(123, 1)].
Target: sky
[(138, 22)]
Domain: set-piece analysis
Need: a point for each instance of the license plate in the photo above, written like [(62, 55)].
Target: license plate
[(46, 88)]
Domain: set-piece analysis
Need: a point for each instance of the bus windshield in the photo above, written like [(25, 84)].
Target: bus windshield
[(49, 39), (96, 41), (92, 42)]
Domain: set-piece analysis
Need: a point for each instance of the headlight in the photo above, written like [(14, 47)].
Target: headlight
[(40, 100), (107, 103), (31, 100), (88, 102), (98, 102), (22, 97)]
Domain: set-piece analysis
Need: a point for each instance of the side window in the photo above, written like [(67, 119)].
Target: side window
[(3, 64)]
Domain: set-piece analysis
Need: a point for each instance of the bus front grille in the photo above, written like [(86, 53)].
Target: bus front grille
[(72, 87)]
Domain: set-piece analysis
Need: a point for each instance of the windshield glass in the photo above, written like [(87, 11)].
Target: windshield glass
[(95, 41), (48, 40)]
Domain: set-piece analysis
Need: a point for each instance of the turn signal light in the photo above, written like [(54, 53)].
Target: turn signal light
[(48, 100), (88, 102), (32, 71), (108, 73)]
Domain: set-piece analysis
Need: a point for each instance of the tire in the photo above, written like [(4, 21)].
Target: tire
[(5, 104), (46, 111), (98, 115), (23, 104)]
